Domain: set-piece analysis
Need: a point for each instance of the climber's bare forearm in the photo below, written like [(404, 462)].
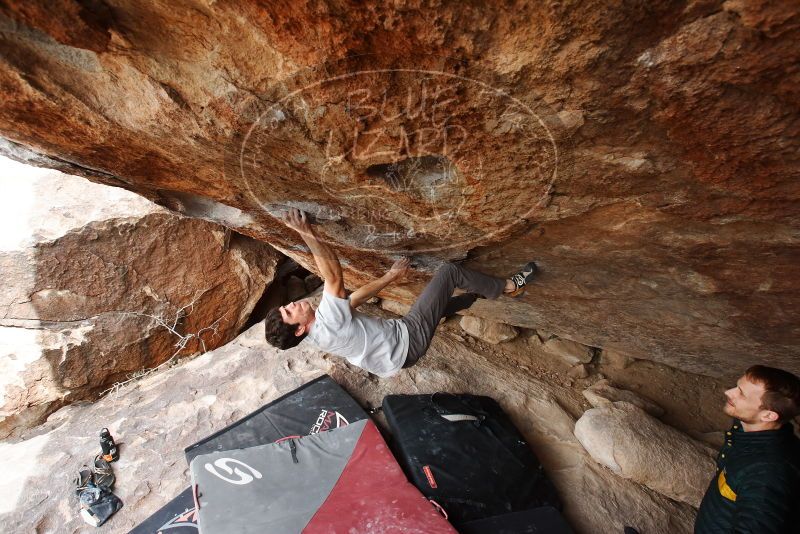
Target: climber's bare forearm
[(369, 290), (366, 292), (327, 262), (324, 256)]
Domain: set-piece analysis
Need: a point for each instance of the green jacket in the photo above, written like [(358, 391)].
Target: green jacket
[(757, 486)]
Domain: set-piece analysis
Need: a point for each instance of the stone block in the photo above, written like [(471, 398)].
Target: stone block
[(616, 359), (579, 371), (489, 331), (393, 306), (602, 392), (639, 447), (571, 352)]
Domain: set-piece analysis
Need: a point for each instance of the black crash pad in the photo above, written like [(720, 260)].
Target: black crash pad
[(176, 517), (314, 407), (463, 452), (544, 520)]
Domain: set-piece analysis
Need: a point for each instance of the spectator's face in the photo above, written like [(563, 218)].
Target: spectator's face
[(744, 401), (299, 312)]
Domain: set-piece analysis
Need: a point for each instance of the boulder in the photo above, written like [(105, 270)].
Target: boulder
[(101, 283), (616, 359), (579, 371), (602, 392), (571, 352), (395, 307), (489, 331), (636, 446)]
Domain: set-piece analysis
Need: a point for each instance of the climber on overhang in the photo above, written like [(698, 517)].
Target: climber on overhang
[(380, 346)]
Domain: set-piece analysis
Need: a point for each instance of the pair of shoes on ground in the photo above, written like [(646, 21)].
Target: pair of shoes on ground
[(100, 476), (522, 278), (93, 487)]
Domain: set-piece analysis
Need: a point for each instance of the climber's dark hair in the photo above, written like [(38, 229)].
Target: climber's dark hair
[(278, 333)]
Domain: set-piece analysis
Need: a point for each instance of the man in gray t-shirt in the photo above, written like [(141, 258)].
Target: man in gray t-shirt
[(381, 346)]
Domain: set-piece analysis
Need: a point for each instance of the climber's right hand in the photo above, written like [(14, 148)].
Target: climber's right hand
[(297, 220)]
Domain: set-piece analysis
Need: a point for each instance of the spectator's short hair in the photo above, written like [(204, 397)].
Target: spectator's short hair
[(781, 390), (280, 334)]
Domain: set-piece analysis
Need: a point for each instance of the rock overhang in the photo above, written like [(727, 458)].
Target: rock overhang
[(668, 230)]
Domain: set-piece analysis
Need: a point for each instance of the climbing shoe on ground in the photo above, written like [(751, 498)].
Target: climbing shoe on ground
[(522, 278)]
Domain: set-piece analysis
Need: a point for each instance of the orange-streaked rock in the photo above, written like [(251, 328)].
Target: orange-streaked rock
[(649, 162), (95, 278)]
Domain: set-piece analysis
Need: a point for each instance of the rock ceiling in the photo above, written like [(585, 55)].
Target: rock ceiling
[(645, 155)]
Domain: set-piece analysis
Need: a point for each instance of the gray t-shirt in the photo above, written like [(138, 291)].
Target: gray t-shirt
[(378, 345)]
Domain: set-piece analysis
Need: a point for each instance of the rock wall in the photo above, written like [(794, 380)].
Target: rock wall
[(646, 154), (99, 283)]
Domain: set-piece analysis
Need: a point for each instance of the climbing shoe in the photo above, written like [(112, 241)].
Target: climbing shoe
[(523, 277)]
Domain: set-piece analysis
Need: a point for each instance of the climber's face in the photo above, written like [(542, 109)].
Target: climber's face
[(744, 402), (299, 312)]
